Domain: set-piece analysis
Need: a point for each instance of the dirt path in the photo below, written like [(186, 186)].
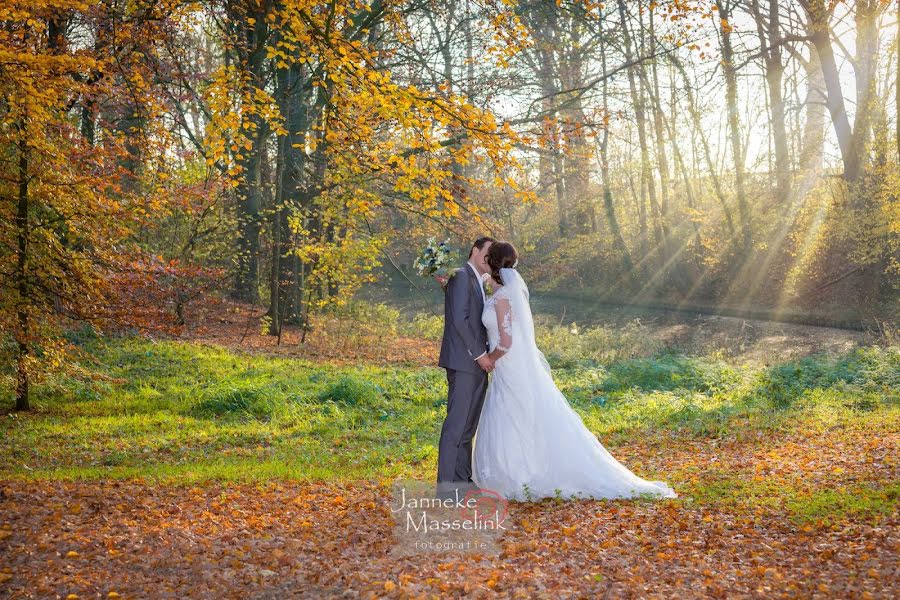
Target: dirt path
[(760, 341), (697, 333)]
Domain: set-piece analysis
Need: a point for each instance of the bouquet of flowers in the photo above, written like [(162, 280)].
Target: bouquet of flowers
[(435, 261)]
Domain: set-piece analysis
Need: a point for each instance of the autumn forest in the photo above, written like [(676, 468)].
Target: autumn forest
[(210, 213)]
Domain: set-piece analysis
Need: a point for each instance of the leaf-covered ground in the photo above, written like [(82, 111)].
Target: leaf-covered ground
[(295, 539), (181, 470)]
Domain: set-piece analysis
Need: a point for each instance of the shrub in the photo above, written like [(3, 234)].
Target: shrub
[(245, 401), (370, 313), (351, 391), (424, 326), (667, 372), (865, 369), (570, 346)]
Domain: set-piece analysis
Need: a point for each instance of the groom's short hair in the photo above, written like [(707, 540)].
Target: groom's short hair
[(479, 243)]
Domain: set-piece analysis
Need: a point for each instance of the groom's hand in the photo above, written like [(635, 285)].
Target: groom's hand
[(486, 363)]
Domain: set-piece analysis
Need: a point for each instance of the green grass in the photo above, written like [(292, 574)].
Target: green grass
[(193, 412), (851, 502), (801, 503), (181, 411)]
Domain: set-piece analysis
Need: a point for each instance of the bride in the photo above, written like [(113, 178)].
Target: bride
[(530, 444)]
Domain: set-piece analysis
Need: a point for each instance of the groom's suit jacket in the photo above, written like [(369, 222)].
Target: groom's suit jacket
[(465, 337)]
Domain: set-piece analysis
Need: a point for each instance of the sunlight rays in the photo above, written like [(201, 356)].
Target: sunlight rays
[(804, 253), (760, 270)]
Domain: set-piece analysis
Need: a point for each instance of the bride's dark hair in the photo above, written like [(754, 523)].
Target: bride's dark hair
[(501, 255)]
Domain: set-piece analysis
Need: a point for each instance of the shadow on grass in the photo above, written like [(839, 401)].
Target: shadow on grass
[(667, 372), (865, 372), (712, 397)]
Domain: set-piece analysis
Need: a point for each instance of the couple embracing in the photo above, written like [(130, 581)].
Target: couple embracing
[(530, 444)]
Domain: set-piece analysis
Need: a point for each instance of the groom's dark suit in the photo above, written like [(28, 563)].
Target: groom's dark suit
[(465, 339)]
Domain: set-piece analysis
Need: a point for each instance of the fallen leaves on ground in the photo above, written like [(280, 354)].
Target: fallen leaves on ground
[(238, 327), (312, 539)]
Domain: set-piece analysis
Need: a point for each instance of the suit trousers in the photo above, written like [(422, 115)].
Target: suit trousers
[(465, 399)]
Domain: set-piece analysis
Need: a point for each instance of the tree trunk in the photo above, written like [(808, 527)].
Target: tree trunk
[(704, 143), (682, 168), (551, 167), (292, 103), (88, 122), (865, 68), (820, 34), (647, 179), (731, 93), (608, 204), (458, 187), (252, 59), (661, 158), (23, 332), (246, 288), (851, 140), (559, 188), (278, 245), (881, 144), (577, 157), (813, 140), (770, 37)]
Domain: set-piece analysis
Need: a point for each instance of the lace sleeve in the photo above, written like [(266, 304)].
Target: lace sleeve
[(504, 322)]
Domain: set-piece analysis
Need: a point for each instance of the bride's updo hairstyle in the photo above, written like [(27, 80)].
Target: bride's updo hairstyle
[(501, 255)]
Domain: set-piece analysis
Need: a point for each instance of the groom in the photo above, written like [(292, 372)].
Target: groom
[(464, 356)]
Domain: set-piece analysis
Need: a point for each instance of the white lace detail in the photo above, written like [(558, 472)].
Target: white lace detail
[(502, 317), (507, 322), (500, 294)]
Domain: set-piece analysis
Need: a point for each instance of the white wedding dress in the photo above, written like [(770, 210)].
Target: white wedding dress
[(530, 444)]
